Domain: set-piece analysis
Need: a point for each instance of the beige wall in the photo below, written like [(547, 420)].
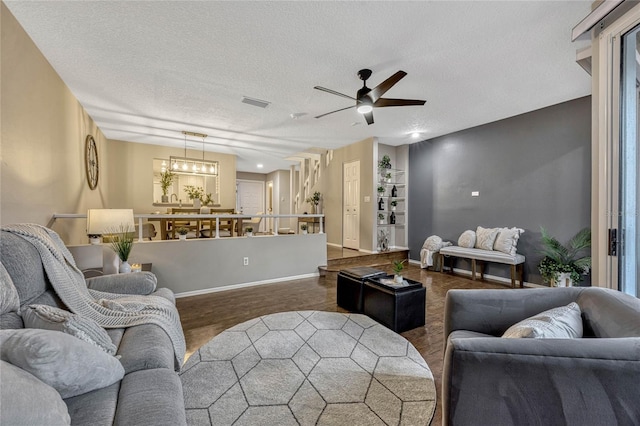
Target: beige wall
[(129, 170), (43, 136)]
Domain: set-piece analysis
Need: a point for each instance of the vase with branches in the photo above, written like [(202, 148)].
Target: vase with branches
[(195, 193), (166, 180), (564, 265), (314, 200)]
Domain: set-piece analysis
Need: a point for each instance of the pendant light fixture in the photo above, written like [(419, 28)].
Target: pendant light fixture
[(185, 165)]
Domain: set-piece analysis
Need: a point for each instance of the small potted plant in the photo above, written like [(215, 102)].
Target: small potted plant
[(381, 190), (304, 228), (388, 177), (249, 231), (182, 233), (195, 193), (122, 244), (398, 266), (385, 163), (166, 179), (563, 266), (380, 218), (208, 200), (314, 200), (394, 204)]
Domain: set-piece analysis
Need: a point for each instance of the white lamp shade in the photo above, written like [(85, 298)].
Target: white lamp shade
[(107, 221)]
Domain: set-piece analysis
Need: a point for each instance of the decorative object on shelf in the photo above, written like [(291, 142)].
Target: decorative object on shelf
[(398, 266), (314, 200), (166, 179), (304, 228), (383, 241), (122, 244), (381, 190), (195, 193), (208, 200), (249, 231), (392, 218), (385, 163), (394, 204), (183, 165), (380, 218), (388, 177), (182, 233), (394, 191), (563, 266), (91, 162), (380, 204)]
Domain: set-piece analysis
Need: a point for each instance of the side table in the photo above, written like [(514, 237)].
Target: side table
[(97, 272), (398, 307)]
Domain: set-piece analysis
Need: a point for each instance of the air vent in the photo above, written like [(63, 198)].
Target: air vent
[(255, 102)]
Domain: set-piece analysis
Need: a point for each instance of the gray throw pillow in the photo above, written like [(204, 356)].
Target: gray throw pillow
[(486, 237), (25, 400), (9, 300), (69, 365), (564, 322), (51, 318), (507, 240)]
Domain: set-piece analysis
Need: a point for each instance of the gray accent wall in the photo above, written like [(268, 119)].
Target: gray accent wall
[(531, 170)]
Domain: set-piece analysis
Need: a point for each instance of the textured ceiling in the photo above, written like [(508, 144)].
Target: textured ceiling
[(147, 70)]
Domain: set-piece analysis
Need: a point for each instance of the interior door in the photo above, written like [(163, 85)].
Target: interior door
[(250, 198), (351, 205)]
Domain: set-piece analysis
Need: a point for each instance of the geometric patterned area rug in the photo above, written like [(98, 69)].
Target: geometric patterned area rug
[(308, 368)]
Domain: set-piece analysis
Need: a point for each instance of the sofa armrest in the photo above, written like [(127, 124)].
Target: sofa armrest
[(489, 380), (135, 283), (493, 311)]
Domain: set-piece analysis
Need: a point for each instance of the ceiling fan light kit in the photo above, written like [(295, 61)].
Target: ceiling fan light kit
[(367, 99)]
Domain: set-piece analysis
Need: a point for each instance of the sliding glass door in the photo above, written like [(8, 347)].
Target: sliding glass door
[(629, 163)]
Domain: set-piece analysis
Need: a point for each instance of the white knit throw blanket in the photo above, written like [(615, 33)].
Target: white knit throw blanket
[(110, 310)]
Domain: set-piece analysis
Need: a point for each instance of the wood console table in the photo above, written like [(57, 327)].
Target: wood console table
[(312, 222)]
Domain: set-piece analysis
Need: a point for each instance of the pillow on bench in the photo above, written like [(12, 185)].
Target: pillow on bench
[(507, 240), (467, 239), (486, 237)]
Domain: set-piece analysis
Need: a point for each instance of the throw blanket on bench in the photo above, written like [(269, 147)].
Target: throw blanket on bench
[(110, 310)]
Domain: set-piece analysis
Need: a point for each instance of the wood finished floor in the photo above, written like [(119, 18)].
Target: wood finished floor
[(205, 316)]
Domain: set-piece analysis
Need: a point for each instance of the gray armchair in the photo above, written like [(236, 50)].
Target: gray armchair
[(488, 380)]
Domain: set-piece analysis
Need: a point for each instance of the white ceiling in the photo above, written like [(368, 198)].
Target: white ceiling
[(145, 71)]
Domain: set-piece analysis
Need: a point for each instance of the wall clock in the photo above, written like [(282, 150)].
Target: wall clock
[(91, 161)]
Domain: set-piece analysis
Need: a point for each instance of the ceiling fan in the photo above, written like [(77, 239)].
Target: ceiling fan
[(367, 99)]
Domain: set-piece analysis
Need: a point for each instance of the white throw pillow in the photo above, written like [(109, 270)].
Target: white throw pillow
[(69, 365), (486, 237), (564, 322), (467, 239), (507, 240)]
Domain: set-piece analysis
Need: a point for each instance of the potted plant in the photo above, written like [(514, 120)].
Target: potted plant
[(122, 244), (208, 201), (385, 163), (381, 190), (562, 266), (249, 231), (314, 200), (195, 193), (166, 179), (394, 203), (304, 228), (380, 218), (388, 177), (182, 233), (398, 266)]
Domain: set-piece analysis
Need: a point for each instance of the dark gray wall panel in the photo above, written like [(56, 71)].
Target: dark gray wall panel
[(531, 170)]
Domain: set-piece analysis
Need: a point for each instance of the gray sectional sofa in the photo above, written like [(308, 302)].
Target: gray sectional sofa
[(150, 393), (489, 380)]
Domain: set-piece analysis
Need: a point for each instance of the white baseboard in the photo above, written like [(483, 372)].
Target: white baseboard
[(335, 245), (368, 251), (243, 285), (496, 278), (415, 262)]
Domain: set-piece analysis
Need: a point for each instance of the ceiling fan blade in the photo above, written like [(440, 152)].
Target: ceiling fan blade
[(382, 88), (369, 117), (341, 109), (386, 102), (333, 92)]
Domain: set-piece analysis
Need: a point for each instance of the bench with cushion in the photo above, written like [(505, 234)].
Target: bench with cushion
[(496, 245)]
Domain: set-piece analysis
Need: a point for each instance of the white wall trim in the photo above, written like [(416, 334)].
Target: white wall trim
[(369, 251), (497, 278), (244, 285), (335, 245)]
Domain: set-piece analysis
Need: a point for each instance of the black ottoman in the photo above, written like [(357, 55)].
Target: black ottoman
[(349, 288), (400, 308)]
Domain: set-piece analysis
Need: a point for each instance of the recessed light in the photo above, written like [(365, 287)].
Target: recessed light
[(415, 135), (297, 115), (260, 166)]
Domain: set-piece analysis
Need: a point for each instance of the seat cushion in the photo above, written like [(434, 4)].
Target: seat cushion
[(484, 255), (95, 408)]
